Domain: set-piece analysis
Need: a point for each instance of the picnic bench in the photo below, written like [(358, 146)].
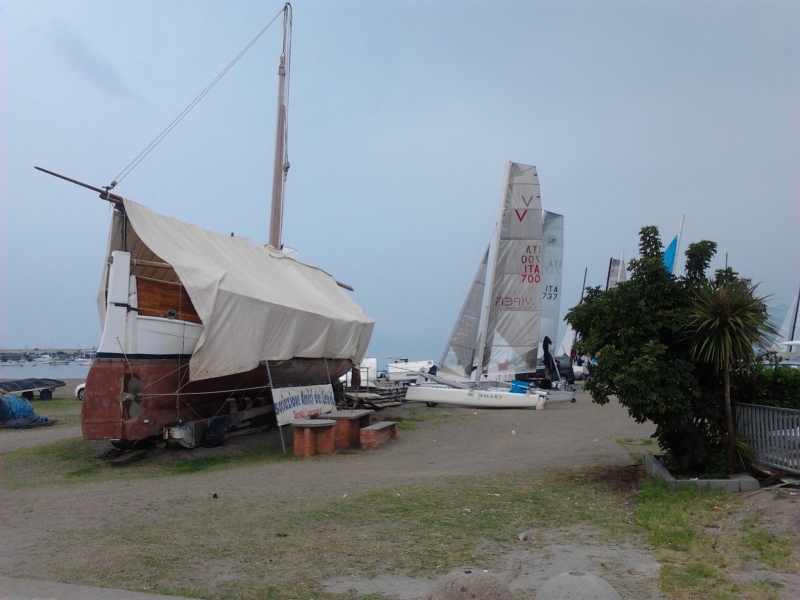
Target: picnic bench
[(347, 431), (377, 434), (313, 436)]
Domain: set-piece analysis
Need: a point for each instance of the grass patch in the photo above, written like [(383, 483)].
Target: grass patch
[(193, 464), (416, 414), (257, 546), (703, 536), (56, 406), (50, 455), (64, 410), (76, 460), (278, 548), (636, 447)]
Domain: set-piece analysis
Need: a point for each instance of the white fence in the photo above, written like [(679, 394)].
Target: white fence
[(773, 435)]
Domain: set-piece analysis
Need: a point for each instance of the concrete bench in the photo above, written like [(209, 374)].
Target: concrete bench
[(349, 423), (377, 434), (313, 436)]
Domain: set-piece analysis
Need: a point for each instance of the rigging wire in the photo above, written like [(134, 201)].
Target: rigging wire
[(135, 162)]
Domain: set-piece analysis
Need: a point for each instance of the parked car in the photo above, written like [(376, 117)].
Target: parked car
[(79, 391), (565, 368)]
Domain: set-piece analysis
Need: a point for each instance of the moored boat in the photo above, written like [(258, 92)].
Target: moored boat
[(511, 306), (199, 328)]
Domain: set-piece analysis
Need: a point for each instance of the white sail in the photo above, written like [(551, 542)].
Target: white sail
[(616, 273), (515, 278), (552, 259), (790, 329), (565, 347), (459, 354), (513, 304)]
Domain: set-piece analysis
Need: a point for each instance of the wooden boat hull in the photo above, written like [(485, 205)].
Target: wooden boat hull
[(167, 396)]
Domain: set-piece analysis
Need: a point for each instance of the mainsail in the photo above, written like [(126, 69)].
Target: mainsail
[(510, 337), (459, 354), (552, 259)]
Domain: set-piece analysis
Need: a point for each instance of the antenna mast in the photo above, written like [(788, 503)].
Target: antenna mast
[(281, 168)]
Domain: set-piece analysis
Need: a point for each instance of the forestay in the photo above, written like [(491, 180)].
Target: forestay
[(256, 303)]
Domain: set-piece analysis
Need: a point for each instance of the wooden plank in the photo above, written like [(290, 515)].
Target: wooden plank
[(158, 298)]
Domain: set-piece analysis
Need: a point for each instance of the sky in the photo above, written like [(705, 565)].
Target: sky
[(402, 116)]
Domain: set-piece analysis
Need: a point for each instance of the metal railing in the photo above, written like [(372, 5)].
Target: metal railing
[(773, 435)]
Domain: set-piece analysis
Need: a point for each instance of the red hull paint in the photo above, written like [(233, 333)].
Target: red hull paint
[(158, 404)]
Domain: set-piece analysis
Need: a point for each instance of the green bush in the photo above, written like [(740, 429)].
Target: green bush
[(641, 334), (769, 385)]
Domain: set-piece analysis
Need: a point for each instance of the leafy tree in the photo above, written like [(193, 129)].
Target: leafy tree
[(637, 332), (725, 321), (698, 259)]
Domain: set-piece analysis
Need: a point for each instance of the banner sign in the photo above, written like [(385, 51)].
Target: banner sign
[(292, 403)]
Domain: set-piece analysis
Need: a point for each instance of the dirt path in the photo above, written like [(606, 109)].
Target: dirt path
[(470, 442), (467, 442), (13, 439)]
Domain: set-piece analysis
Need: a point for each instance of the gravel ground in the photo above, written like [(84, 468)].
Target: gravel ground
[(469, 442), (11, 439)]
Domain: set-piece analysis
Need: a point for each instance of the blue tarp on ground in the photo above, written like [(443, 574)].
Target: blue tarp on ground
[(18, 412)]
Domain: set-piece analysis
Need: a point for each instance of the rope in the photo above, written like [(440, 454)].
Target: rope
[(180, 391), (133, 164)]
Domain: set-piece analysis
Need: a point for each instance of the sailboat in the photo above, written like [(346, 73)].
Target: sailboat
[(491, 356), (201, 329), (788, 335)]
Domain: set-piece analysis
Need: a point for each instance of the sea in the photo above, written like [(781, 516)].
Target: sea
[(43, 371)]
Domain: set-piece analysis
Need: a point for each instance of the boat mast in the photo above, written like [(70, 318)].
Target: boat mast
[(281, 167)]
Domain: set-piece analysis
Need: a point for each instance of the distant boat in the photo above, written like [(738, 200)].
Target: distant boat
[(405, 370)]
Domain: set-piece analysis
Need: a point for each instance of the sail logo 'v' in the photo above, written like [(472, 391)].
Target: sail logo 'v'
[(521, 216)]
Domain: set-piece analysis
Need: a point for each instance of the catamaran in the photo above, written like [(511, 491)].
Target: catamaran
[(491, 356)]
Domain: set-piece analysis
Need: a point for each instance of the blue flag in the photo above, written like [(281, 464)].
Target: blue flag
[(669, 255)]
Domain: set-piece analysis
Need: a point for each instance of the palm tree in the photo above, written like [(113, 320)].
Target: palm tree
[(726, 321)]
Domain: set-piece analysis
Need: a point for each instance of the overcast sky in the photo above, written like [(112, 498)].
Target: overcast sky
[(402, 116)]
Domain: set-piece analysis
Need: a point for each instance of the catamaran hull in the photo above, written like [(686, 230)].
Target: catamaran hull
[(108, 414), (475, 398)]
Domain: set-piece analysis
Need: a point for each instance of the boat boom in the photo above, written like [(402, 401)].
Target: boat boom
[(104, 193)]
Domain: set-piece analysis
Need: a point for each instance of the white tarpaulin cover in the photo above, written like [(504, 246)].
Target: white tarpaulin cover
[(255, 303)]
